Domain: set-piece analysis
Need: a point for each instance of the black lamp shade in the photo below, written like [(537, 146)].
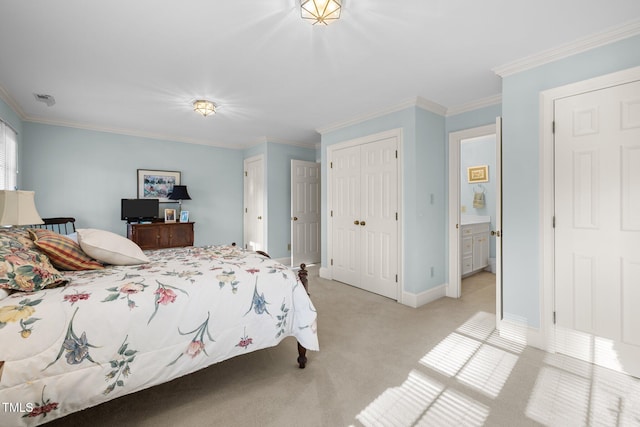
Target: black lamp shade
[(179, 193)]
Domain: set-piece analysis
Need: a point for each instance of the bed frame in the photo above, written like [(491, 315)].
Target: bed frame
[(67, 225), (61, 225)]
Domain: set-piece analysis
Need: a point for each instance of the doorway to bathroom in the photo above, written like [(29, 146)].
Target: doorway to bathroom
[(475, 210)]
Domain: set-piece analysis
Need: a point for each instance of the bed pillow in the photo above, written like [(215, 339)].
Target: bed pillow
[(4, 293), (19, 234), (63, 252), (24, 269), (110, 248)]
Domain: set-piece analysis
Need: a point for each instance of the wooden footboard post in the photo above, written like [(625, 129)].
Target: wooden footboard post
[(302, 352), (302, 275), (302, 356)]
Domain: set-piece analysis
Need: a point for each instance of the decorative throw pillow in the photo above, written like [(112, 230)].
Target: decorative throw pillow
[(110, 248), (23, 269), (19, 234), (63, 252)]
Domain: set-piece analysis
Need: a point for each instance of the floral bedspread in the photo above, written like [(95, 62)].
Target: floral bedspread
[(122, 329)]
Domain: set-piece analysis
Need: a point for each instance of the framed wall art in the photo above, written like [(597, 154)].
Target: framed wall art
[(156, 184), (478, 173)]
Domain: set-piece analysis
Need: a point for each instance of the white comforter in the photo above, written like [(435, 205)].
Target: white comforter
[(115, 331)]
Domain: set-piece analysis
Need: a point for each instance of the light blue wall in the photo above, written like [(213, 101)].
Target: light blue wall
[(425, 223), (479, 151), (467, 120), (278, 191), (473, 119), (521, 163), (279, 158), (84, 174), (423, 166)]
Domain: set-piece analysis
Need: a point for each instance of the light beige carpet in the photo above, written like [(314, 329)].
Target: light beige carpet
[(385, 364)]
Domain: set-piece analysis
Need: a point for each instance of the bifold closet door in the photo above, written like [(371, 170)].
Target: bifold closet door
[(365, 222), (346, 211)]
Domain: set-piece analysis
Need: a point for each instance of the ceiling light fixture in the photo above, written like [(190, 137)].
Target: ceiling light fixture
[(204, 107), (320, 11)]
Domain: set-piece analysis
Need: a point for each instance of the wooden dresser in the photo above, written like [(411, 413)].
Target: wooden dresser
[(159, 235)]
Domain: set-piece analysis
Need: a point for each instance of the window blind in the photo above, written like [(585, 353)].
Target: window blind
[(8, 157)]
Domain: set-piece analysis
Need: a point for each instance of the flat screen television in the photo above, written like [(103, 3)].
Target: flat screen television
[(139, 209)]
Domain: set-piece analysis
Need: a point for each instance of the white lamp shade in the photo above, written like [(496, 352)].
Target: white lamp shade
[(18, 208)]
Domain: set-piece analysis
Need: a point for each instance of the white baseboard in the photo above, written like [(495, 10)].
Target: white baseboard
[(519, 331), (325, 273), (418, 300)]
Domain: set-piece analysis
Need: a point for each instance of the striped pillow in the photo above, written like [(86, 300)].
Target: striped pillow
[(63, 252)]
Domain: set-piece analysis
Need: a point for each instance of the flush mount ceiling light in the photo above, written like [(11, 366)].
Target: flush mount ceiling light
[(204, 107), (320, 11)]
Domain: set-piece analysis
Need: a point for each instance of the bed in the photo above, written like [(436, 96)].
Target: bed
[(91, 335)]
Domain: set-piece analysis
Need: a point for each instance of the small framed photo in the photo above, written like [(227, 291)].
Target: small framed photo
[(478, 173), (169, 215), (184, 216)]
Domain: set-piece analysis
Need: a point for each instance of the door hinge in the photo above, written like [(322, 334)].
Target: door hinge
[(331, 261), (246, 210), (553, 221), (396, 278), (396, 216), (332, 212), (553, 126), (396, 154), (331, 165), (554, 317), (245, 173)]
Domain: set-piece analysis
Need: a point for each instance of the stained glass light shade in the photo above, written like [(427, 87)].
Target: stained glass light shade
[(321, 11)]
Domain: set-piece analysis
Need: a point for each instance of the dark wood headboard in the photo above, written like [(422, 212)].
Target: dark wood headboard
[(61, 225)]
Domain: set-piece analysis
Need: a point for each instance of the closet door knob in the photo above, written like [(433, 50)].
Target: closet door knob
[(362, 223), (295, 218), (356, 222)]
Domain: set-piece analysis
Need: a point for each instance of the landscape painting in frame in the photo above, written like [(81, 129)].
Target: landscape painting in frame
[(156, 184), (478, 173)]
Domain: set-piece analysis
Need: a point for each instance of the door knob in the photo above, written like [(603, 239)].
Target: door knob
[(356, 222), (295, 218), (495, 233), (362, 223), (259, 217)]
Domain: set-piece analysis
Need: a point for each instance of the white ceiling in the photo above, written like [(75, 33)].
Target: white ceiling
[(135, 66)]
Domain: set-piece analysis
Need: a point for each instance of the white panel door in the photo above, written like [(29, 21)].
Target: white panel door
[(364, 216), (254, 204), (305, 212), (597, 235), (345, 175), (378, 221)]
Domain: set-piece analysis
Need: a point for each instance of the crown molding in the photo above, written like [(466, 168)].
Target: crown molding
[(310, 145), (615, 34), (8, 99), (474, 105), (413, 102)]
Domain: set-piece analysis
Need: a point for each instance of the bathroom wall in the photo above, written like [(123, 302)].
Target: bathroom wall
[(477, 152)]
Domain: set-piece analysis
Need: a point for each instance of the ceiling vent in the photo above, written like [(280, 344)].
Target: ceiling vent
[(47, 99)]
